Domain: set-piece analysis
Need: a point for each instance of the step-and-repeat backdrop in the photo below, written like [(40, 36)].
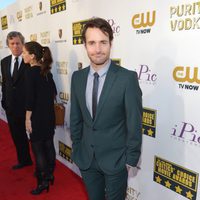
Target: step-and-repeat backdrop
[(157, 39)]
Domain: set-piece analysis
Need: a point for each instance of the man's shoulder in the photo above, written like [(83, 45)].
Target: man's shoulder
[(6, 59), (80, 72), (124, 71)]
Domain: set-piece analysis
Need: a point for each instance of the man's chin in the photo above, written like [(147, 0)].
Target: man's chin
[(99, 63)]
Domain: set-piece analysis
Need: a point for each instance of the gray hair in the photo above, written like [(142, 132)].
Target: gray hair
[(13, 34)]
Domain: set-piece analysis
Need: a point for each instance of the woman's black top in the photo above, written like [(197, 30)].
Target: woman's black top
[(40, 93)]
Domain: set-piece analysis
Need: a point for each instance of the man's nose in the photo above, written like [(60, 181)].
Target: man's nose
[(98, 47)]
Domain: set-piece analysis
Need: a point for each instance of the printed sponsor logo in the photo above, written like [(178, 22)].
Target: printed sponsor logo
[(145, 75), (186, 132), (57, 6), (40, 7), (60, 35), (176, 178), (4, 22), (132, 194), (33, 37), (143, 22), (185, 17), (65, 151), (19, 16), (149, 122), (64, 97), (45, 37), (115, 26), (185, 75), (28, 12), (61, 67), (77, 28)]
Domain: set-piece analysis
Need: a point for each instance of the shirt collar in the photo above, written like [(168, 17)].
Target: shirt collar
[(102, 71), (19, 58)]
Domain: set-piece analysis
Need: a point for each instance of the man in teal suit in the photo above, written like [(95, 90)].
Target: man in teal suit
[(106, 117)]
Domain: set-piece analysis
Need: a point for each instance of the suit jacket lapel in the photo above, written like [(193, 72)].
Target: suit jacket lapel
[(83, 85), (8, 66), (110, 77)]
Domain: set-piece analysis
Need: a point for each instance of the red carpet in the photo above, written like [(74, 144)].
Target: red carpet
[(16, 184)]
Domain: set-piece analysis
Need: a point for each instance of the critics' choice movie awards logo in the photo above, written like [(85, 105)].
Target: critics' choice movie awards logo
[(61, 67), (176, 178), (143, 22), (185, 16), (65, 151), (4, 22), (186, 132), (132, 194), (145, 75), (149, 122), (77, 28), (28, 12), (187, 77), (57, 6)]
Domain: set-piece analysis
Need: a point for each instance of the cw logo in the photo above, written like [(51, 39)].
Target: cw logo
[(185, 74), (140, 20), (64, 96)]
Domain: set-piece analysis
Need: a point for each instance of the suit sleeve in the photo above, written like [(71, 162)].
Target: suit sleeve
[(133, 106), (76, 119), (3, 100)]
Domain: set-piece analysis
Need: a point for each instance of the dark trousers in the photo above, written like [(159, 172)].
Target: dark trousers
[(19, 136), (101, 186), (45, 156)]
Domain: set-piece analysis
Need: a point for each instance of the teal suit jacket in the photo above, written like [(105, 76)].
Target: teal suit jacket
[(115, 135)]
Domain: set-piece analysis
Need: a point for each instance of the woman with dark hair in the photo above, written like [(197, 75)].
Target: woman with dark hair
[(40, 116)]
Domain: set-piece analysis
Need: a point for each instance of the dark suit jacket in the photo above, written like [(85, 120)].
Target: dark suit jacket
[(115, 135), (13, 93)]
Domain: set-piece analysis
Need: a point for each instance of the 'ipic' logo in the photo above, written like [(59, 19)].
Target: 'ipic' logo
[(140, 22), (145, 75), (115, 27), (187, 75), (186, 132)]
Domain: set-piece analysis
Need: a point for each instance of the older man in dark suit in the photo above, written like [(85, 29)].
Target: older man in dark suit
[(106, 117), (13, 97)]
